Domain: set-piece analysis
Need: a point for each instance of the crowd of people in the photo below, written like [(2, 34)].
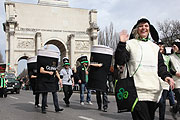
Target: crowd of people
[(156, 75)]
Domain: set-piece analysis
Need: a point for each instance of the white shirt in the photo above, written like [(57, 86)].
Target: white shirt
[(66, 73)]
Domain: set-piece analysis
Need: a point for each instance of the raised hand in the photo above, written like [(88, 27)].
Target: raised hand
[(123, 36)]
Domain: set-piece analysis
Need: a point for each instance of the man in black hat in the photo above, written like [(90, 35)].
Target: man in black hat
[(66, 75), (145, 64), (82, 75), (175, 71)]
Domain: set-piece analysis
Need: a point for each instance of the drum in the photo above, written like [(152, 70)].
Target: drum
[(97, 78)]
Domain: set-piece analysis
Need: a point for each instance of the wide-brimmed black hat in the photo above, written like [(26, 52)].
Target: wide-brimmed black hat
[(83, 59), (65, 61), (153, 32)]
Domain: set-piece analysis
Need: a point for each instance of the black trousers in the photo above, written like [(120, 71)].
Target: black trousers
[(144, 110), (37, 98), (55, 100), (162, 105), (67, 89), (3, 92), (99, 100), (44, 100), (176, 108)]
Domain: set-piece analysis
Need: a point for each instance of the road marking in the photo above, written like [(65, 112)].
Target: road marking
[(13, 97), (85, 118), (31, 103)]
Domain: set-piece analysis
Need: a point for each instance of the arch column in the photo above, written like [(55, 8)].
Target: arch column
[(11, 25), (38, 41), (72, 49)]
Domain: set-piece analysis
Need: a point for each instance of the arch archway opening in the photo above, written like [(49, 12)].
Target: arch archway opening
[(58, 46), (22, 66)]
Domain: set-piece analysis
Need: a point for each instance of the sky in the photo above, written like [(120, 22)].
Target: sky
[(122, 13)]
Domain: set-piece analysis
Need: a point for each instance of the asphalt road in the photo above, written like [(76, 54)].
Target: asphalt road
[(21, 107)]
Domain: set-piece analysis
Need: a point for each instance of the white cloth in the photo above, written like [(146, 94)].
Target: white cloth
[(146, 78), (175, 61)]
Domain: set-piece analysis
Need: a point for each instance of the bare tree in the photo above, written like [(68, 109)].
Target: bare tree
[(108, 37), (169, 31)]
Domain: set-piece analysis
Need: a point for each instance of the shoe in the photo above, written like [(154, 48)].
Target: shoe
[(46, 106), (105, 110), (67, 105), (44, 111), (173, 114), (99, 108), (37, 106), (60, 109), (90, 103), (82, 103)]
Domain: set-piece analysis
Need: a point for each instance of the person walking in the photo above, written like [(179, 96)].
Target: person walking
[(3, 86), (167, 92), (67, 79), (146, 64), (48, 77), (82, 76), (32, 73), (54, 93), (175, 70)]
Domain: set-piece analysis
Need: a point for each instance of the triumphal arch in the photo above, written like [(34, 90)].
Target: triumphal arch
[(30, 27)]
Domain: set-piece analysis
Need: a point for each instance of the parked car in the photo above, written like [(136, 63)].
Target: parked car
[(13, 85)]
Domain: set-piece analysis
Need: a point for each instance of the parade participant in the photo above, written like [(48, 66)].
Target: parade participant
[(175, 70), (100, 54), (47, 77), (3, 86), (32, 73), (82, 76), (110, 79), (167, 92), (146, 64), (100, 62), (104, 100), (66, 75)]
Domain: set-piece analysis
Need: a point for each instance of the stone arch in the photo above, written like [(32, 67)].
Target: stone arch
[(60, 45), (23, 57), (20, 57)]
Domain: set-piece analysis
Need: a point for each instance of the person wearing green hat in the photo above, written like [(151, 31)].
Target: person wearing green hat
[(82, 76), (66, 76), (3, 86)]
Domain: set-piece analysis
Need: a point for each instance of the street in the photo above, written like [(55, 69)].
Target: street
[(21, 107)]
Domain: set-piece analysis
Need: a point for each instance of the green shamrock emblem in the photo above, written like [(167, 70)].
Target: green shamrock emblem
[(122, 94)]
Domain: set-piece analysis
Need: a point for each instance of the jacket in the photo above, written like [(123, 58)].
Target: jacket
[(81, 73)]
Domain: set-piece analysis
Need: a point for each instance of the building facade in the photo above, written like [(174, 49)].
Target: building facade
[(30, 27)]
